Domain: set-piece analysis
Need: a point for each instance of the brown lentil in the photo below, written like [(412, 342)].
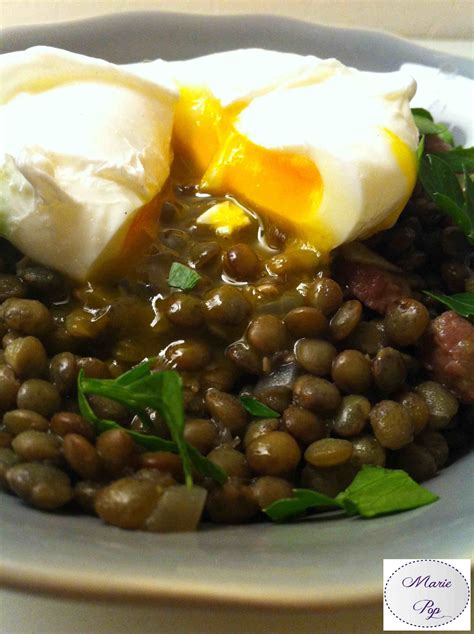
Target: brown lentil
[(267, 334), (241, 262), (9, 386), (82, 456), (367, 450), (27, 357), (93, 368), (188, 355), (328, 480), (306, 321), (436, 445), (277, 397), (39, 484), (184, 310), (442, 404), (85, 493), (63, 372), (328, 452), (417, 408), (63, 423), (39, 396), (226, 305), (27, 316), (352, 416), (107, 408), (164, 461), (316, 394), (20, 420), (367, 337), (233, 462), (226, 410), (315, 355), (325, 294), (232, 503), (276, 453), (391, 424), (416, 460), (8, 458), (345, 320), (259, 428), (34, 445), (351, 372), (388, 370), (405, 321), (126, 502), (268, 489), (116, 451), (11, 286), (201, 434), (303, 425), (5, 439)]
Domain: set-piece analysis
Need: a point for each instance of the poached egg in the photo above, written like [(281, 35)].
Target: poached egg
[(325, 150), (85, 153)]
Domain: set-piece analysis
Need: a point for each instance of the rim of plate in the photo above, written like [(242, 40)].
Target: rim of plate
[(88, 586)]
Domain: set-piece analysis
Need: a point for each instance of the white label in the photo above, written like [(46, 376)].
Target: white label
[(427, 594)]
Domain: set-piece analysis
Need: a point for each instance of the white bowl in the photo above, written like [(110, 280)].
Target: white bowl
[(324, 562)]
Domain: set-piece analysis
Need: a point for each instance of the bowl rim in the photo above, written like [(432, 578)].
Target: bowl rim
[(86, 586), (464, 65)]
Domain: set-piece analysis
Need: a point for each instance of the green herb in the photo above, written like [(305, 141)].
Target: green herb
[(459, 159), (425, 124), (461, 303), (181, 276), (420, 151), (377, 491), (302, 500), (442, 184), (374, 491), (140, 390), (257, 408)]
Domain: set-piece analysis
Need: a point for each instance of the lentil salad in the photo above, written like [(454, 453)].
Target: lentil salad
[(345, 353)]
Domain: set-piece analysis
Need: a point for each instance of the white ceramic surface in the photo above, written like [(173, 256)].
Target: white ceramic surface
[(321, 563)]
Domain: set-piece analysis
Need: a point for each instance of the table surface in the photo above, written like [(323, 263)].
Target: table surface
[(28, 614)]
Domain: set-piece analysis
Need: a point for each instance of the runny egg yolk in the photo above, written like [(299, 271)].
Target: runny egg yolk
[(281, 185), (201, 126), (406, 160)]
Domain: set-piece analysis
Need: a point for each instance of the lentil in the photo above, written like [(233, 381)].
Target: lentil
[(41, 485), (351, 372), (392, 424)]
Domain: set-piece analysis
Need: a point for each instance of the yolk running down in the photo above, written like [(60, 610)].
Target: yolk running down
[(281, 185), (201, 126), (406, 160)]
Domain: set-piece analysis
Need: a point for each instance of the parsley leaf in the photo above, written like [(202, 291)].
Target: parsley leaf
[(459, 159), (420, 150), (140, 390), (257, 408), (374, 491), (425, 124), (461, 303), (442, 185), (302, 500), (377, 491), (181, 276)]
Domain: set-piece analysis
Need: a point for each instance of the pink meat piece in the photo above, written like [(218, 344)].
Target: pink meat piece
[(374, 287), (449, 354)]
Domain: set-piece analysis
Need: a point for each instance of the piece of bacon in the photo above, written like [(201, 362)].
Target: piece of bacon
[(448, 353)]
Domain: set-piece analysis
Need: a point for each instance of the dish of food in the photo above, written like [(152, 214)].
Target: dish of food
[(198, 292)]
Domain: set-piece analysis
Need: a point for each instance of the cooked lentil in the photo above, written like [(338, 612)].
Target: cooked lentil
[(266, 319)]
